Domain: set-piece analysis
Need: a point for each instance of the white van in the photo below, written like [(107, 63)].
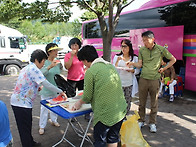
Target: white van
[(13, 51)]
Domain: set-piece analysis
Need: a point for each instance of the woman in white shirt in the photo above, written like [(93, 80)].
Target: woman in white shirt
[(127, 75)]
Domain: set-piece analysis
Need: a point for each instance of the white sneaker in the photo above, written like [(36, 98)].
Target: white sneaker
[(171, 99), (153, 128), (141, 124)]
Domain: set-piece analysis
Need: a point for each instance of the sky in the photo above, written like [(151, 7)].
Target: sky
[(135, 5), (77, 12)]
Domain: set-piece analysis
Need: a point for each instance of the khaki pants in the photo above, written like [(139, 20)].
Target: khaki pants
[(151, 87)]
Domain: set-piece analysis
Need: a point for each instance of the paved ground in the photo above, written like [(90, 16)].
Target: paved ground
[(176, 121)]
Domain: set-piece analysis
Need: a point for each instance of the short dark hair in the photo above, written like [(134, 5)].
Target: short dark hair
[(88, 53), (48, 46), (148, 34), (73, 41), (39, 55)]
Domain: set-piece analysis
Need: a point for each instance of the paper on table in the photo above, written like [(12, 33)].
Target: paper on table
[(68, 106)]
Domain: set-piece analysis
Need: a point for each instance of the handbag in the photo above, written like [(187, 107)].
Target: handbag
[(65, 86)]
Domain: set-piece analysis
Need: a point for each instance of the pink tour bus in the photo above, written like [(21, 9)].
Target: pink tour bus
[(173, 23)]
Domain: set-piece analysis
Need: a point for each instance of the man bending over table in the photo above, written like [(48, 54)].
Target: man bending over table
[(103, 90)]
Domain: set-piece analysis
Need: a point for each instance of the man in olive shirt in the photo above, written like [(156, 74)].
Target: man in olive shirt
[(150, 57), (103, 89)]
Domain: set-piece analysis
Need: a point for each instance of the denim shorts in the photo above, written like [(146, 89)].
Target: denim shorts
[(106, 134)]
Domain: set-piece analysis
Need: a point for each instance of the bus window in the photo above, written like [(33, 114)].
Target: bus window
[(92, 30)]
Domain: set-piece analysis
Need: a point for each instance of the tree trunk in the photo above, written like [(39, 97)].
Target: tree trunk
[(106, 48), (104, 32)]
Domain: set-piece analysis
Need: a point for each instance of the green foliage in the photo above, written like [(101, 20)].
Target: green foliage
[(31, 11), (42, 33), (47, 11), (88, 16), (77, 28), (9, 10), (40, 10)]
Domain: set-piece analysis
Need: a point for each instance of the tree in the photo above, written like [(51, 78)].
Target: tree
[(9, 9), (40, 10), (100, 7), (88, 15), (9, 15)]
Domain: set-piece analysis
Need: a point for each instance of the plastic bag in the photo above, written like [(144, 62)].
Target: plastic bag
[(166, 80), (130, 132)]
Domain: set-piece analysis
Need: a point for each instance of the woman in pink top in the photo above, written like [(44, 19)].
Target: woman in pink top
[(75, 67)]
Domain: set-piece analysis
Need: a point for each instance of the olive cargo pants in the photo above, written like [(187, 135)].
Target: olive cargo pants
[(152, 87)]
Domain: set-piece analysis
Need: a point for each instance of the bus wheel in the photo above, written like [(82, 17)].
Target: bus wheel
[(12, 69)]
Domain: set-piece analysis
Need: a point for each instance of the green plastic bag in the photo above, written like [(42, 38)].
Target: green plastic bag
[(166, 80), (130, 132)]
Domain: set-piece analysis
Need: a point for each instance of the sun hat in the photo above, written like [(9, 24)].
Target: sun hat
[(55, 48)]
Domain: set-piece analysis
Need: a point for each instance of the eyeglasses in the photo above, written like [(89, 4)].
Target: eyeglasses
[(123, 46)]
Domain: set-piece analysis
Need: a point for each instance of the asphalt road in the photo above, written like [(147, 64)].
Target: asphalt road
[(176, 122)]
